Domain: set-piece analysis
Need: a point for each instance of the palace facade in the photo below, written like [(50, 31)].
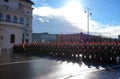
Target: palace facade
[(15, 22)]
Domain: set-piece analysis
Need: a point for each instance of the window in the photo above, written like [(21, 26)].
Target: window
[(1, 37), (1, 16), (7, 18), (6, 0), (20, 5), (15, 19), (21, 20), (27, 41), (27, 19), (28, 12), (6, 7), (27, 25), (23, 38), (27, 34), (12, 38)]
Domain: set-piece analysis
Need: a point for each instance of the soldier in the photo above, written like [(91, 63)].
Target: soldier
[(106, 53), (90, 51), (80, 50), (118, 48), (113, 53), (96, 52), (70, 50), (83, 51), (58, 50), (93, 52), (87, 52), (77, 51), (51, 50), (99, 53)]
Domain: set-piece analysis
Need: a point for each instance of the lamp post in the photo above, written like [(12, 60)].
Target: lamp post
[(88, 11)]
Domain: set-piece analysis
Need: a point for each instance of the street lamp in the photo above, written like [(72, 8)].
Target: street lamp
[(88, 11)]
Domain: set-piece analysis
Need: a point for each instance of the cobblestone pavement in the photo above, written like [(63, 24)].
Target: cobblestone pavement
[(16, 66)]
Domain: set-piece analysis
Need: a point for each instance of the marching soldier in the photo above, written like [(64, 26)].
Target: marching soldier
[(99, 53)]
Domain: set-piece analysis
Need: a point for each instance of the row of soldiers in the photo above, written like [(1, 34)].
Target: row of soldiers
[(107, 53)]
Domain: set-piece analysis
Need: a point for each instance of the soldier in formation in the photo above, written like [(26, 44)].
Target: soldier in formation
[(104, 53)]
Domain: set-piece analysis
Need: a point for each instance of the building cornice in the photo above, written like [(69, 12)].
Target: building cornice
[(29, 1), (11, 24)]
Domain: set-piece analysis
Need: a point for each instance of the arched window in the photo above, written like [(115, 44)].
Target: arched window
[(7, 18), (12, 38), (15, 19), (21, 20), (27, 41), (1, 16), (23, 35), (6, 0)]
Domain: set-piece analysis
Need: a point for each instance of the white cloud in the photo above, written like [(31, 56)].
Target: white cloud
[(106, 30), (58, 25), (73, 11), (41, 19)]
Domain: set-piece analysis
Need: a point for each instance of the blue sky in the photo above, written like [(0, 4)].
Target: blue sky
[(105, 11), (67, 16)]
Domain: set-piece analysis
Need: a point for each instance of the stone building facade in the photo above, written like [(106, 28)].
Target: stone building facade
[(81, 37), (44, 37), (15, 22)]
